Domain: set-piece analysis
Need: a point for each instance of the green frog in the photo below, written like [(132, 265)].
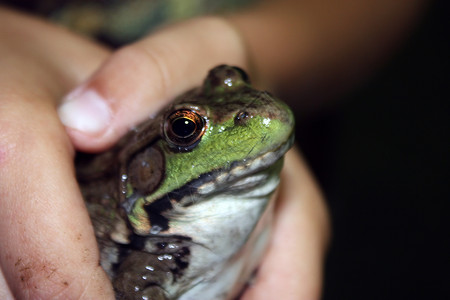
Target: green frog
[(182, 205)]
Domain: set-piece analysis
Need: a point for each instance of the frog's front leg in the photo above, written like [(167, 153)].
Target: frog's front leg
[(153, 268), (142, 276)]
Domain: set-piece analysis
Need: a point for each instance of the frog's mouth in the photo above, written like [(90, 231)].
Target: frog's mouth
[(239, 178), (243, 175)]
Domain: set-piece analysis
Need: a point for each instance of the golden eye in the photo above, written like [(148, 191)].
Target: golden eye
[(183, 129)]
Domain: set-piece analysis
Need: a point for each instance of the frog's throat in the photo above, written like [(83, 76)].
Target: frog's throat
[(147, 219)]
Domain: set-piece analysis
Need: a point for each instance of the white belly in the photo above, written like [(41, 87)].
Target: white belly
[(230, 235)]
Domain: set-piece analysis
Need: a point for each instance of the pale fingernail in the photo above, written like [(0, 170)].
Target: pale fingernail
[(85, 111)]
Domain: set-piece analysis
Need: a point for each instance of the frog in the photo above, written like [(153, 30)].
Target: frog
[(182, 206)]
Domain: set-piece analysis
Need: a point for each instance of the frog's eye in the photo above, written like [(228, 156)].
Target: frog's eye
[(183, 129)]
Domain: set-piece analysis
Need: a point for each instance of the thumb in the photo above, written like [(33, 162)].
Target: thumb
[(139, 79)]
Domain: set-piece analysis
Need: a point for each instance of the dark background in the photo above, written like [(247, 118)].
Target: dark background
[(382, 158)]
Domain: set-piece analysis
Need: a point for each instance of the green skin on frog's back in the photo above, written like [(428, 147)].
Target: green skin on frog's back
[(181, 205)]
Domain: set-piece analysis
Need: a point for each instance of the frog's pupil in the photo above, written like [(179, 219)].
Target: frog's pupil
[(183, 127)]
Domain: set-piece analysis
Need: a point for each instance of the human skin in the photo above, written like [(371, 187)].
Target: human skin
[(55, 256), (47, 246), (48, 249), (322, 47)]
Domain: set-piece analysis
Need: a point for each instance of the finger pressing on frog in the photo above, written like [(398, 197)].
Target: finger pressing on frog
[(141, 78), (48, 249), (292, 268)]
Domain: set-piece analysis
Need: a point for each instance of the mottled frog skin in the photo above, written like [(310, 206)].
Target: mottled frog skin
[(181, 206)]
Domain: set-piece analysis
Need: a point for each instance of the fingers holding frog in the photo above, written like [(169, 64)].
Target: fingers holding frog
[(135, 83), (139, 79), (47, 245)]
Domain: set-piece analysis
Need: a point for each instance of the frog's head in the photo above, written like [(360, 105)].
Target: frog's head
[(209, 138)]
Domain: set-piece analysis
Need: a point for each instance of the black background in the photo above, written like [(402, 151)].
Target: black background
[(383, 159)]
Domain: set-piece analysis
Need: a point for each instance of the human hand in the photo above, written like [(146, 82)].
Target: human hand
[(141, 78), (48, 249)]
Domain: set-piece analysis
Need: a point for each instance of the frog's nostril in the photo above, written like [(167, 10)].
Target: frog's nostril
[(241, 118)]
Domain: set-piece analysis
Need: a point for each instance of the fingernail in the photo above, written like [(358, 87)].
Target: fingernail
[(85, 111)]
